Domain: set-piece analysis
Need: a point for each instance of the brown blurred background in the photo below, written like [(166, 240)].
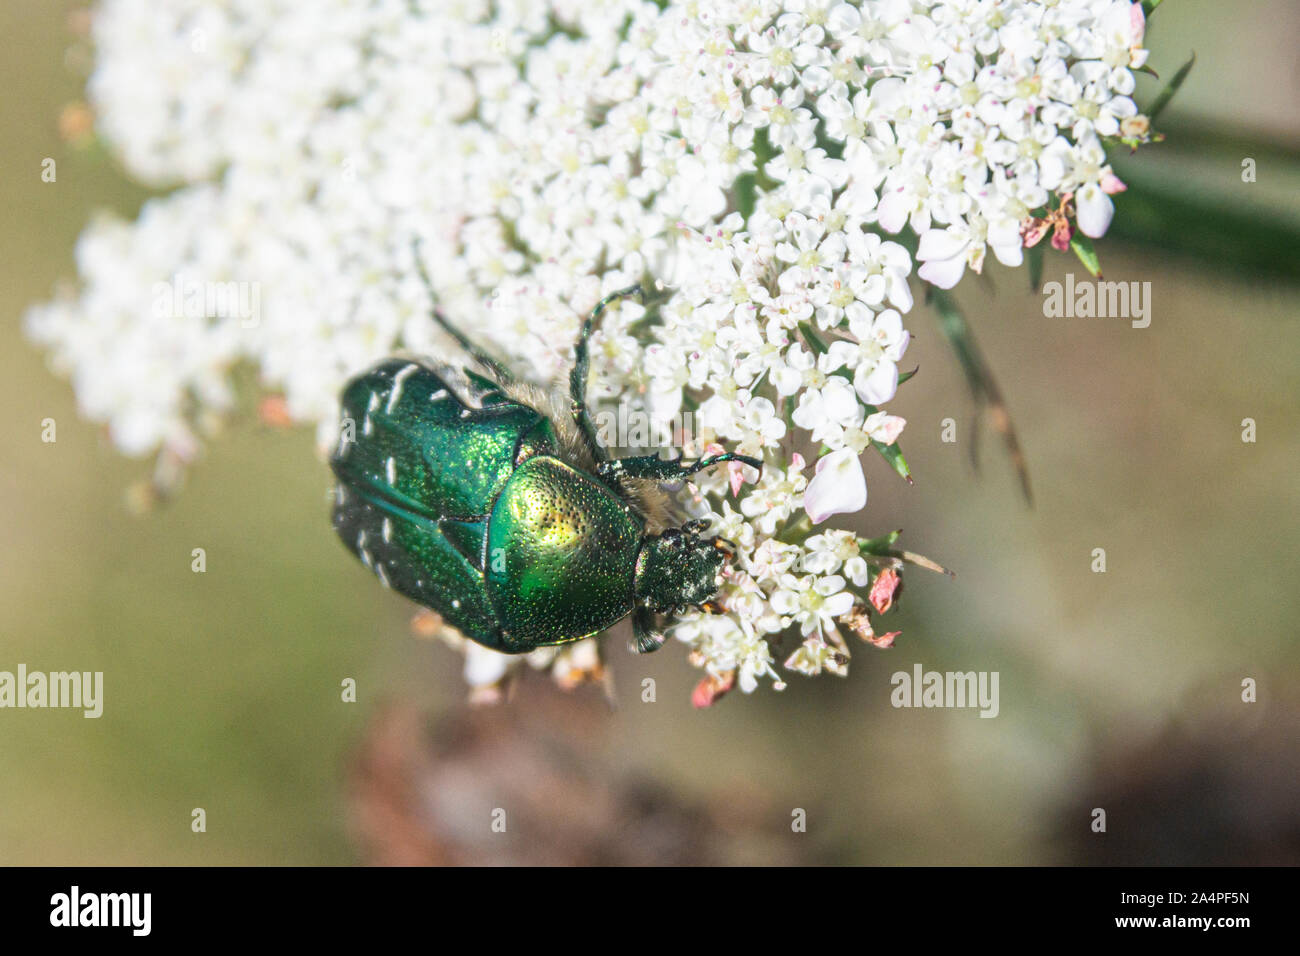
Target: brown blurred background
[(1118, 690)]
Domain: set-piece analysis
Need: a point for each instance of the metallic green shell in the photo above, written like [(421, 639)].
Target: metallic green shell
[(562, 552), (459, 456), (419, 471)]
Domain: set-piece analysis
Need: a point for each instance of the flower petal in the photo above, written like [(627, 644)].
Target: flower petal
[(940, 244), (1095, 210), (944, 273), (839, 487), (879, 385)]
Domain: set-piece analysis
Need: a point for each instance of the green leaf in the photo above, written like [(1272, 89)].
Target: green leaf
[(1149, 6), (1035, 257), (894, 455), (834, 147), (988, 397), (891, 453), (746, 190), (906, 375), (880, 545), (1082, 247), (748, 184), (1170, 89), (814, 341), (980, 379)]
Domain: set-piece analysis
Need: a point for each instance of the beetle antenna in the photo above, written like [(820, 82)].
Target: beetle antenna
[(488, 362)]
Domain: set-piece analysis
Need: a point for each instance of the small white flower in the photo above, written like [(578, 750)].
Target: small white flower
[(826, 553), (812, 602), (773, 558), (814, 655)]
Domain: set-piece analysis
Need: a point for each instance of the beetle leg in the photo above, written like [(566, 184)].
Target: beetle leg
[(657, 469), (728, 456), (646, 638), (581, 365)]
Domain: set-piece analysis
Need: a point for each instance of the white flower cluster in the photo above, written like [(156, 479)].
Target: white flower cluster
[(748, 159)]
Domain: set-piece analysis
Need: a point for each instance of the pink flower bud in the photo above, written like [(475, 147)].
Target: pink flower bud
[(883, 590), (708, 690)]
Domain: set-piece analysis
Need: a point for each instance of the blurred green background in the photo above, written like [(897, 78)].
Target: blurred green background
[(222, 689)]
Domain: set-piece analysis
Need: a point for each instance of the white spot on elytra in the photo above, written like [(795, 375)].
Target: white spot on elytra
[(383, 576), (439, 395), (398, 381), (388, 530), (390, 470)]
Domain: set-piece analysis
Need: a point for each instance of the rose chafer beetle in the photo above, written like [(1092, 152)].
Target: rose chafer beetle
[(492, 502)]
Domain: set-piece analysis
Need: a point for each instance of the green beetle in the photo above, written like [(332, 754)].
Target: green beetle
[(492, 502)]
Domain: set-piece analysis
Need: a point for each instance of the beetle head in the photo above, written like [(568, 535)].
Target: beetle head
[(679, 568)]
